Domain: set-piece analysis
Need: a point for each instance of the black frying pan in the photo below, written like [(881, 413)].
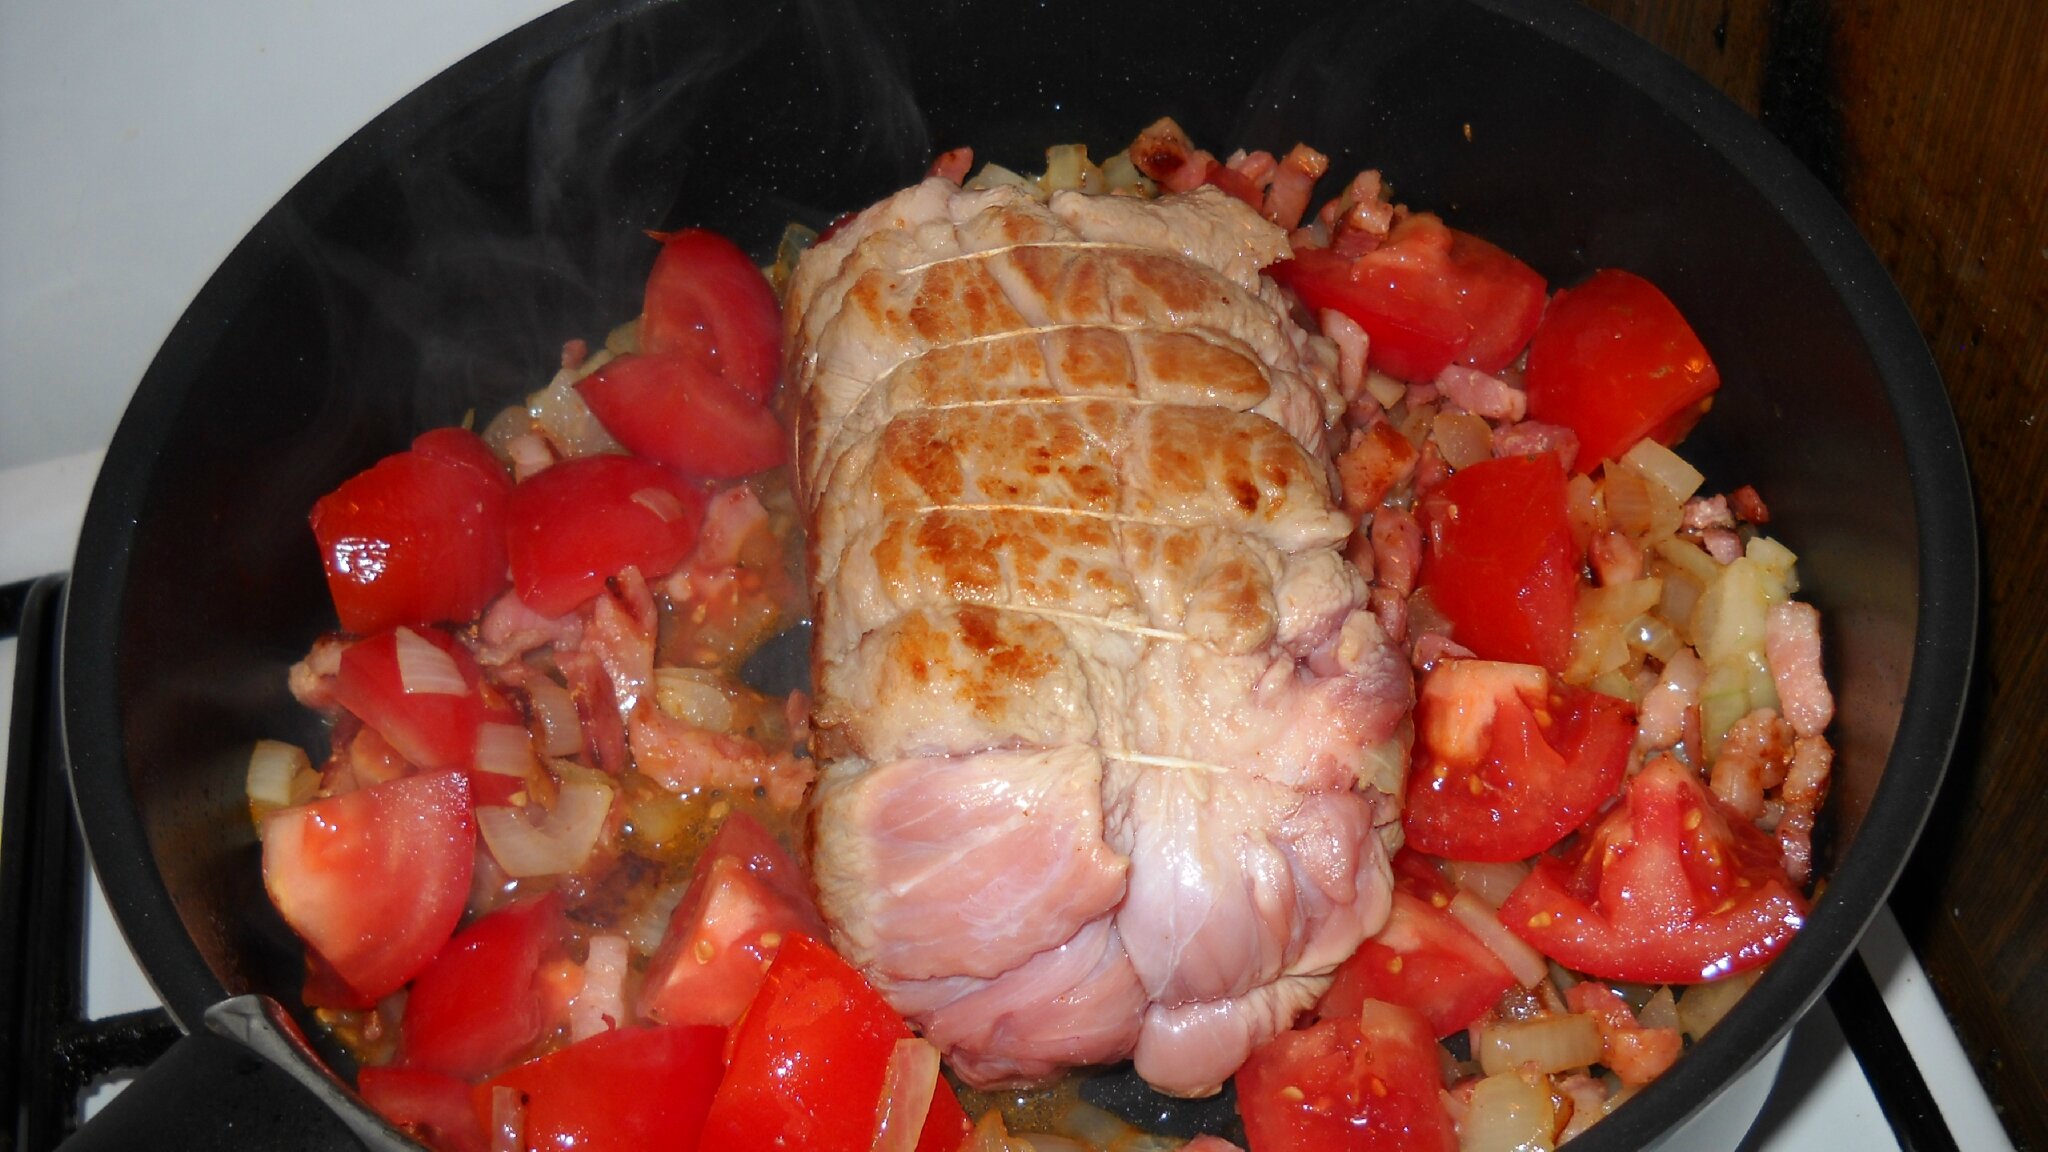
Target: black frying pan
[(435, 262)]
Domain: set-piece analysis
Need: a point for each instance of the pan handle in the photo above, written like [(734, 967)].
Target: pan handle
[(246, 1080)]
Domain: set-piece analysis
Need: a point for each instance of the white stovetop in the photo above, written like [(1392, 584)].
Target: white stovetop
[(143, 139)]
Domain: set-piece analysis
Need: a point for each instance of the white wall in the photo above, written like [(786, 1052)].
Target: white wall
[(140, 139)]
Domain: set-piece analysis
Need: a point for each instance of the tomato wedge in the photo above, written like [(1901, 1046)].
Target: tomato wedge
[(1668, 887), (1614, 361), (624, 1090), (809, 1061), (1365, 1085), (579, 523), (707, 303), (391, 683), (418, 537), (1500, 562), (746, 896), (679, 412), (431, 1106), (1429, 297), (374, 880), (476, 1006), (1423, 960), (1508, 760)]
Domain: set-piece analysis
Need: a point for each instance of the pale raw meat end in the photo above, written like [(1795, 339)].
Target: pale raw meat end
[(1091, 666), (953, 847)]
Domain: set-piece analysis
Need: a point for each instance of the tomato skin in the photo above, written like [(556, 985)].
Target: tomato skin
[(624, 1090), (580, 522), (1615, 361), (1368, 1085), (1500, 561), (808, 1060), (418, 537), (1423, 959), (374, 880), (430, 729), (680, 413), (1508, 760), (430, 1105), (708, 303), (1429, 297), (476, 1006), (1645, 897), (746, 892)]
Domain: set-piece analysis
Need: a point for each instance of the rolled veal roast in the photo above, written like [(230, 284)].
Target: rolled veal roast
[(1110, 737)]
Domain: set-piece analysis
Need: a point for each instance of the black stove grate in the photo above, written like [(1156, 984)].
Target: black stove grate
[(50, 1054)]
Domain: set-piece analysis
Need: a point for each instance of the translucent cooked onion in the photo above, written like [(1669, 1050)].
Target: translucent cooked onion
[(661, 502), (907, 1087), (1462, 438), (561, 728), (508, 1119), (560, 412), (1704, 1005), (1525, 962), (1664, 468), (562, 839), (600, 1004), (695, 697), (506, 749), (1507, 1114), (1659, 1011), (1490, 882), (424, 669), (280, 775), (1548, 1044)]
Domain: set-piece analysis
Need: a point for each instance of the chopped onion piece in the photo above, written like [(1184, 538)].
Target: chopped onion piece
[(600, 1005), (1660, 1010), (1703, 1005), (1732, 614), (506, 749), (1664, 468), (1507, 1114), (1776, 559), (993, 175), (695, 697), (1549, 1043), (661, 502), (559, 843), (907, 1087), (1462, 438), (1524, 962), (508, 1119), (1384, 388), (280, 775), (424, 669), (561, 728), (1490, 882)]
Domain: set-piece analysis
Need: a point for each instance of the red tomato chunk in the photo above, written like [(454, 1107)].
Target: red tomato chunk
[(1508, 759), (707, 303), (1500, 561), (1425, 960), (583, 521), (374, 880), (625, 1090), (417, 538), (396, 684), (477, 1006), (680, 413), (1365, 1085), (1614, 361), (1669, 887), (746, 897)]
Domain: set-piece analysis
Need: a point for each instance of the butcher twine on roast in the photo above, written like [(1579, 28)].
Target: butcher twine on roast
[(1110, 741)]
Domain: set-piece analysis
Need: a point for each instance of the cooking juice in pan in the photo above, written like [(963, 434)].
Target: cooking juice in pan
[(1126, 744)]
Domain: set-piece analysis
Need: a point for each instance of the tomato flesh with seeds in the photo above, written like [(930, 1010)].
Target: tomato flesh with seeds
[(746, 897), (1421, 959), (1500, 561), (1364, 1085), (1669, 887), (1508, 760), (1615, 361)]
